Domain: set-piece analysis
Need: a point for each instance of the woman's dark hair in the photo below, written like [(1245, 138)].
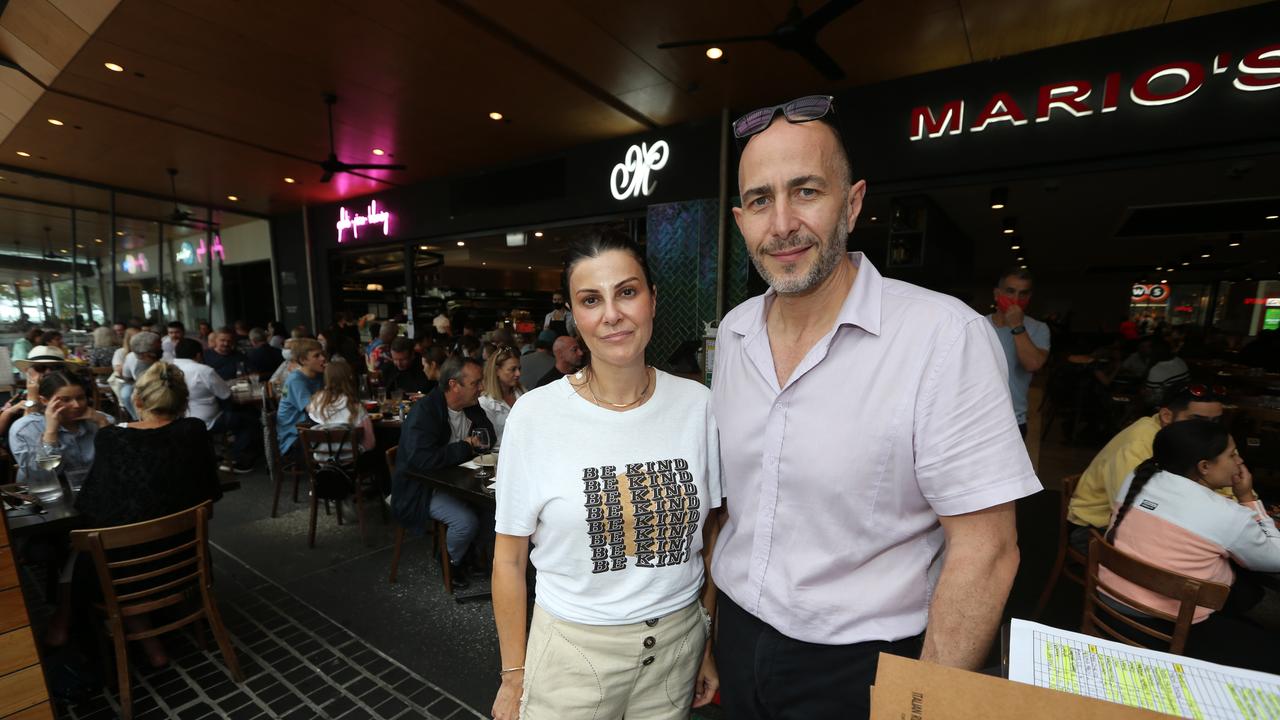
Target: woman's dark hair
[(49, 336), (598, 242), (1177, 449), (54, 381)]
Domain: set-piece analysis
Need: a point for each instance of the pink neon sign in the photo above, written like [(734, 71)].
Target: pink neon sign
[(217, 249), (373, 216)]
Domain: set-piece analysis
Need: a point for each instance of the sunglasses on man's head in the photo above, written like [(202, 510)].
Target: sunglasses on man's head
[(800, 110)]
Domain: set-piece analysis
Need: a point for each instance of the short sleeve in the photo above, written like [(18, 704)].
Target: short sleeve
[(969, 455), (715, 484), (1040, 335), (517, 486)]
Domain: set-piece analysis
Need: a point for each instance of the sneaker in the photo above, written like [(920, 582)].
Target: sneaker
[(225, 467), (239, 469)]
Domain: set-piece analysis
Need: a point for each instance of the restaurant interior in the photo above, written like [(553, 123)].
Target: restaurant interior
[(147, 173)]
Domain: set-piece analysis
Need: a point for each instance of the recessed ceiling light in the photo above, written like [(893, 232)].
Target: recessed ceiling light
[(1234, 244), (715, 53), (1185, 263), (495, 116), (999, 196), (1008, 231), (55, 121), (1024, 267), (530, 267), (113, 67), (63, 251), (290, 180), (462, 243), (484, 263), (1273, 217), (1164, 282), (1204, 255), (1008, 225), (1020, 259), (233, 198), (97, 240), (1015, 247), (23, 153), (56, 275), (874, 218), (379, 151), (120, 233), (538, 234), (422, 247), (80, 245)]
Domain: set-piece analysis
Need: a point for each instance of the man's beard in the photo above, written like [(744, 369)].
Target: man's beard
[(829, 256)]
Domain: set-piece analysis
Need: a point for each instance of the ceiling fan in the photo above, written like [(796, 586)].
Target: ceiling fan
[(332, 165), (798, 33), (179, 216)]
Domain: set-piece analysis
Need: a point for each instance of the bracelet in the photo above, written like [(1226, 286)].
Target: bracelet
[(509, 670)]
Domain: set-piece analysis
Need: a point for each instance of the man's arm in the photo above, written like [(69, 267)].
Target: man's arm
[(981, 560), (1030, 357), (418, 441)]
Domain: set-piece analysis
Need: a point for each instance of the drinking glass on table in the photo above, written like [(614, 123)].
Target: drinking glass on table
[(44, 483), (482, 446)]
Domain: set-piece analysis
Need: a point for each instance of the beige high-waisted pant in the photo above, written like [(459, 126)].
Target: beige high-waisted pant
[(642, 671)]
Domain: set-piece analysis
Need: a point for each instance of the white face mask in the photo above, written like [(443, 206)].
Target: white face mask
[(287, 353)]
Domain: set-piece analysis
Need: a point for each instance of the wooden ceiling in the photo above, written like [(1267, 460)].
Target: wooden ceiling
[(230, 91)]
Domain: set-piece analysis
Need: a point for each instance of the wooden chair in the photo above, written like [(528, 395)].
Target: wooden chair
[(1068, 562), (277, 463), (437, 531), (171, 577), (1102, 620), (336, 442)]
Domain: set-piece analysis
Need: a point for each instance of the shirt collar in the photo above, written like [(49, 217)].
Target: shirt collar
[(862, 306)]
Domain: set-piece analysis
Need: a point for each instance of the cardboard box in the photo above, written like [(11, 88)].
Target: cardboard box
[(912, 690)]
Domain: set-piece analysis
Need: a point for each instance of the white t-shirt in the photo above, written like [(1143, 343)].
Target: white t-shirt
[(614, 502), (459, 425), (204, 389), (497, 410), (336, 415)]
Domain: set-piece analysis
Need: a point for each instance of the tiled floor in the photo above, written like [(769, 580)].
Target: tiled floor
[(297, 663)]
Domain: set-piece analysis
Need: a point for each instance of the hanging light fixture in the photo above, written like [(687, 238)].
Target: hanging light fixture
[(999, 196)]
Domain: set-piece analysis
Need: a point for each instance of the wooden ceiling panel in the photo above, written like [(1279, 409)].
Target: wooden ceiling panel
[(45, 29), (998, 28)]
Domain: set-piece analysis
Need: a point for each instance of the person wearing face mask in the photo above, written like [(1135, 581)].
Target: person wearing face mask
[(560, 319), (1025, 339)]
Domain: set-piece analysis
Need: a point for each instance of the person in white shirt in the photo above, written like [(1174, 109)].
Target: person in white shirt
[(174, 332), (501, 388), (208, 400), (337, 405), (611, 473), (144, 350)]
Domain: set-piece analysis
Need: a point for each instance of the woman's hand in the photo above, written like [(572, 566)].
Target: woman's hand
[(708, 682), (506, 706), (52, 411), (1242, 485)]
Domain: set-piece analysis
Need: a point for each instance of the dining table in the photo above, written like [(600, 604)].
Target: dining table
[(462, 482)]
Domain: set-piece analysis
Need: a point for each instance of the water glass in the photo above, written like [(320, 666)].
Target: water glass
[(76, 478)]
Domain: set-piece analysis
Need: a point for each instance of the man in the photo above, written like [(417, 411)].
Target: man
[(536, 364), (403, 371), (144, 350), (437, 434), (223, 357), (203, 331), (262, 359), (208, 397), (174, 332), (242, 343), (869, 450), (1025, 340), (119, 327), (1096, 490), (301, 384), (442, 325), (568, 358)]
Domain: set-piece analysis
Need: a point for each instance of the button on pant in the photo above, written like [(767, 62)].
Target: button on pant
[(641, 671), (765, 674)]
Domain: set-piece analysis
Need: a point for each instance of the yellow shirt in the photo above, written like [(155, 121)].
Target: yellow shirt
[(1095, 495), (1091, 503)]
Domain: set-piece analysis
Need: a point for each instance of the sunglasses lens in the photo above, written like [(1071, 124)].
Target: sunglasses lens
[(810, 107), (753, 122)]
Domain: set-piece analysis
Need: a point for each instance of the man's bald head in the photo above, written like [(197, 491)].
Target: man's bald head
[(836, 153), (567, 353)]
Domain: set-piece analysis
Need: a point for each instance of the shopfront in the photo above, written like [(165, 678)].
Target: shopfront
[(489, 247)]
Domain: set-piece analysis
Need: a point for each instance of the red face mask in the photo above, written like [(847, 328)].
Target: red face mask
[(1004, 302)]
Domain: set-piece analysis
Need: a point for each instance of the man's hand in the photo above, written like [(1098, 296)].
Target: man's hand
[(1013, 316)]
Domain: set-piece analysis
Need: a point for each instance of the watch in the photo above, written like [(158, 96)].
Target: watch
[(1019, 330), (29, 404)]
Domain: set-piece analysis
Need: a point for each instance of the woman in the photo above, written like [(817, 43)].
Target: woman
[(104, 348), (338, 405), (617, 433), (144, 349), (1170, 516), (133, 476), (64, 423), (501, 388), (24, 400)]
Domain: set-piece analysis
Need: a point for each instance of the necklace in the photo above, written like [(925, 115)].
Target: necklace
[(643, 392)]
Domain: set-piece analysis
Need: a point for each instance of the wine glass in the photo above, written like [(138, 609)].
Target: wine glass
[(482, 446)]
